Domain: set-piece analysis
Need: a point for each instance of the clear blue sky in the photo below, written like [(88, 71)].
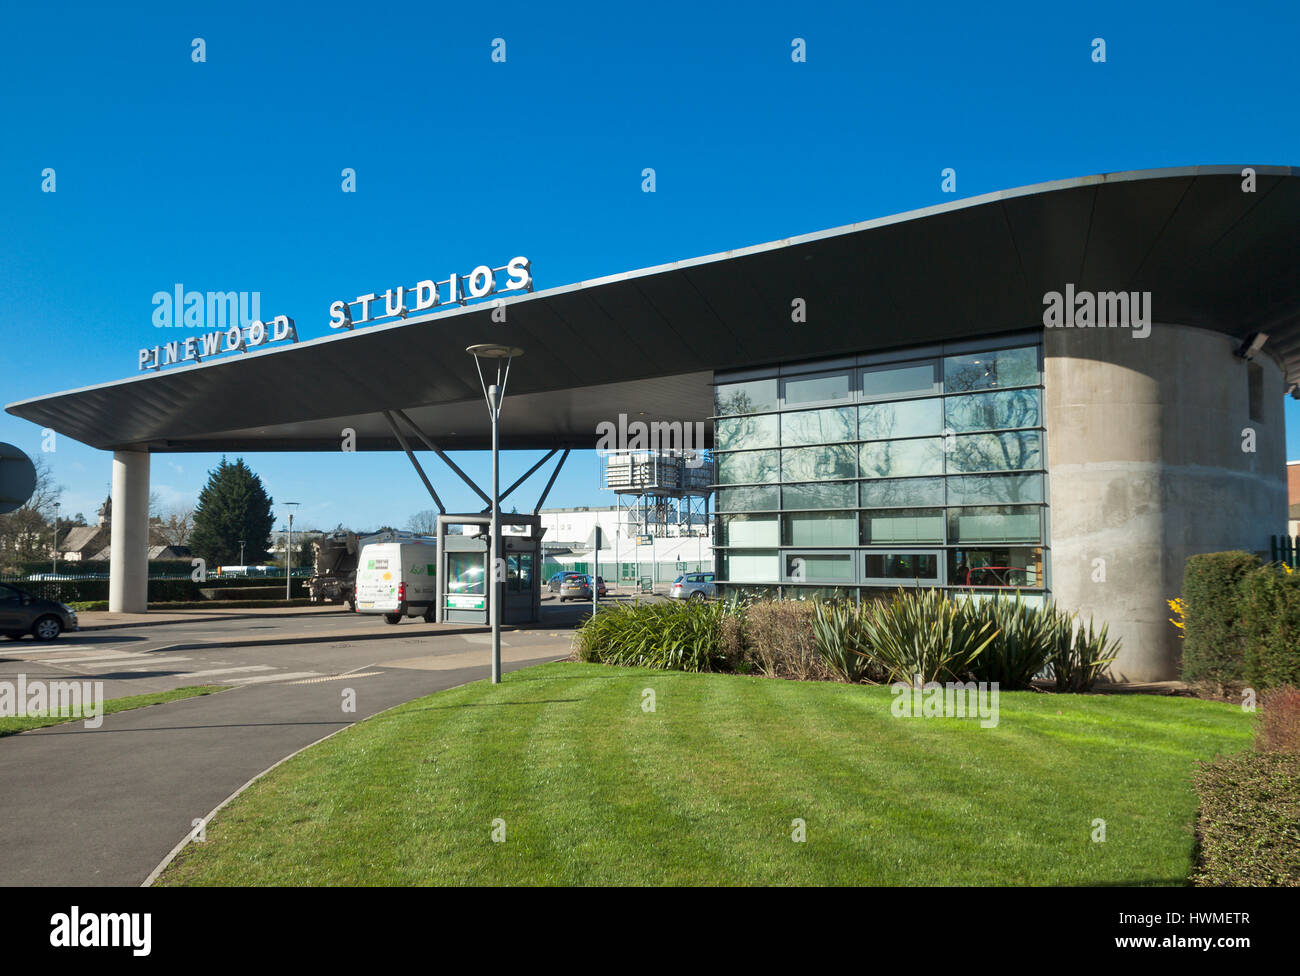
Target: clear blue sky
[(226, 175)]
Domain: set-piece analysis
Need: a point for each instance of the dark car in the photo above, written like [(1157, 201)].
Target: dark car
[(22, 614), (553, 584)]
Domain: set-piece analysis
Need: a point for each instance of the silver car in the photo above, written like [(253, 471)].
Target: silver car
[(22, 614), (693, 586)]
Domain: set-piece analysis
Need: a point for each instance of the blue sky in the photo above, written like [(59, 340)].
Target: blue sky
[(225, 175)]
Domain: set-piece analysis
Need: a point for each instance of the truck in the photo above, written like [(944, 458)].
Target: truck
[(334, 574), (398, 578)]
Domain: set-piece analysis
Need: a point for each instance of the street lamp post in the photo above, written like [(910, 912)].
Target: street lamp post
[(288, 553), (494, 394), (56, 539), (241, 552)]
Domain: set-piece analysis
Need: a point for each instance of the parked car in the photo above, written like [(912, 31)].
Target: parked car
[(553, 584), (576, 586), (21, 614), (693, 586)]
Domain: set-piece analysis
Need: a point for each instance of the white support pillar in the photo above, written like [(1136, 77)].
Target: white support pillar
[(128, 580)]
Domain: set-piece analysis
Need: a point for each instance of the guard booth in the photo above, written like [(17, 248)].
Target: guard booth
[(464, 585)]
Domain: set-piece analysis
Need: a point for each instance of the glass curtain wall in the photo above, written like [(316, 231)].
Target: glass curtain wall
[(856, 477)]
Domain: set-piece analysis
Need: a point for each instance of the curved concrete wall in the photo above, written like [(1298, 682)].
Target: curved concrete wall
[(1147, 468)]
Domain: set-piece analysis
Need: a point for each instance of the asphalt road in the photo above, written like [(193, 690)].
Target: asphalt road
[(103, 806)]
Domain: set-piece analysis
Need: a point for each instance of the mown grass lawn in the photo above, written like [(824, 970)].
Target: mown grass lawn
[(13, 724), (594, 790)]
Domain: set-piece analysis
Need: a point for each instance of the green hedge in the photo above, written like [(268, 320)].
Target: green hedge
[(1248, 823), (1271, 621), (160, 590), (1215, 643)]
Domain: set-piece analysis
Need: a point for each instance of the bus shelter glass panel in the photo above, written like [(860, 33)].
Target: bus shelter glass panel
[(466, 581)]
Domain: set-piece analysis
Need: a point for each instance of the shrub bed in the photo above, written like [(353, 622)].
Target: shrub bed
[(1248, 823), (925, 634), (1270, 613)]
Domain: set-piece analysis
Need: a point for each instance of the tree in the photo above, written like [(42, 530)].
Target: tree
[(233, 505), (26, 534), (424, 522), (173, 528)]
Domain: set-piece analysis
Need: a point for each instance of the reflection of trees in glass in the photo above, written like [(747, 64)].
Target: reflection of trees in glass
[(900, 458), (754, 431), (993, 411), (819, 496), (983, 371), (817, 426), (894, 494), (877, 420), (749, 466), (820, 463), (995, 489), (995, 452)]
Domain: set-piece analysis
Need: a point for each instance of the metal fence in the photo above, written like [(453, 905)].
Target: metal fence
[(1285, 549)]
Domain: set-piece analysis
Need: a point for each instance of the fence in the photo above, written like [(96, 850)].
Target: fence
[(1285, 549)]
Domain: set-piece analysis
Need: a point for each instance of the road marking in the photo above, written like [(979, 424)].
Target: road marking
[(272, 677), (338, 677), (248, 667), (105, 658)]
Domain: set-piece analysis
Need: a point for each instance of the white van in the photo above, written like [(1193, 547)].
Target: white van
[(398, 579)]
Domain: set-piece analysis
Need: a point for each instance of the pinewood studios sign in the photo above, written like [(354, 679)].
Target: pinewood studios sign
[(515, 275)]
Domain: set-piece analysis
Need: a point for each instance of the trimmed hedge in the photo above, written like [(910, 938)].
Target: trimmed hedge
[(1271, 622), (160, 590), (1215, 642), (1248, 824)]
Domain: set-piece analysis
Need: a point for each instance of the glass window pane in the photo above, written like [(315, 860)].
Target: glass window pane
[(995, 452), (988, 370), (922, 566), (752, 396), (818, 426), (908, 526), (843, 494), (732, 433), (992, 411), (997, 524), (748, 530), (815, 389), (903, 380), (992, 489), (749, 466), (819, 529), (817, 566), (901, 493), (898, 459), (816, 463), (996, 567), (746, 499), (905, 418), (755, 566)]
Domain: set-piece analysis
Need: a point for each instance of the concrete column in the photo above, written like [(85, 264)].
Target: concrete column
[(128, 581), (1146, 468)]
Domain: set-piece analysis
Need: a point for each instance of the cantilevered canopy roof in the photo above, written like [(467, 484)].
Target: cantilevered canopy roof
[(646, 343)]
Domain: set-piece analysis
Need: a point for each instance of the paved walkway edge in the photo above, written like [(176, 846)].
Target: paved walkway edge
[(188, 838)]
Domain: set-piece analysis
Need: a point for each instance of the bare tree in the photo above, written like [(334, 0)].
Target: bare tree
[(27, 533), (424, 522)]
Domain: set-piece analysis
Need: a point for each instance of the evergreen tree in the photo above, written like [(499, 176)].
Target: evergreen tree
[(233, 505)]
